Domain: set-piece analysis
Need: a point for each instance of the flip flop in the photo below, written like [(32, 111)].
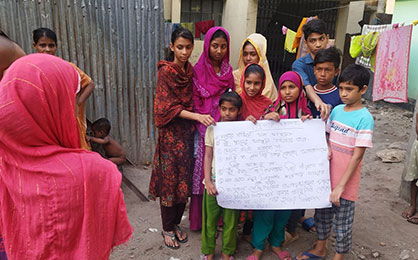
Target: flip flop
[(311, 256), (181, 233), (251, 257), (405, 213), (413, 219), (284, 255), (308, 224), (173, 238)]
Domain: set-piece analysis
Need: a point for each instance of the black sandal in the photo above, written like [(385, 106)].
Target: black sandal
[(173, 238), (181, 232)]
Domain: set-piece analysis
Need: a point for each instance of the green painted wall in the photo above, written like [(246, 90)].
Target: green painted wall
[(405, 12)]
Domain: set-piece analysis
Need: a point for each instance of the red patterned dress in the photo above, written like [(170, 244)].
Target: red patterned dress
[(173, 160)]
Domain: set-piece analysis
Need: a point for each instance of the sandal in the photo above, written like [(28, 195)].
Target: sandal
[(308, 224), (407, 213), (413, 219), (283, 255), (181, 232), (312, 256), (251, 257), (173, 238)]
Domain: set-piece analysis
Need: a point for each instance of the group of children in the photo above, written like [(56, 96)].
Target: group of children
[(349, 133)]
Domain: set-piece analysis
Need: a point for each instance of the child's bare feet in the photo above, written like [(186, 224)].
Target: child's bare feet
[(409, 212)]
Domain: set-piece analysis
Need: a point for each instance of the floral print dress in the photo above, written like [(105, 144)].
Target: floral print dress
[(173, 160)]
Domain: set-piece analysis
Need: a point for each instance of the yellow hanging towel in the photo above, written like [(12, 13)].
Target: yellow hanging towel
[(288, 43)]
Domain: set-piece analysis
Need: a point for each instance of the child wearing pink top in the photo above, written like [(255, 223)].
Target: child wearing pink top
[(349, 132)]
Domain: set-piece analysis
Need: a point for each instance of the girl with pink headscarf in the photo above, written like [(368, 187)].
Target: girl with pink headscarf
[(292, 102), (212, 77), (270, 224)]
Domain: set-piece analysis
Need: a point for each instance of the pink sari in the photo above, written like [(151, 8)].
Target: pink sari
[(207, 90), (57, 201)]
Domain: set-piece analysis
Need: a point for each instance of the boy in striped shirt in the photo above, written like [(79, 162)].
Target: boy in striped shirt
[(349, 133)]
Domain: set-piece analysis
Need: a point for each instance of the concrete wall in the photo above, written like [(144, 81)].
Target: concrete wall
[(348, 18), (239, 18), (390, 6), (167, 9), (405, 11)]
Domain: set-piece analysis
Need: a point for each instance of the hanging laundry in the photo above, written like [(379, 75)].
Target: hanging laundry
[(284, 30), (203, 27), (189, 26), (299, 38), (288, 43), (367, 28), (392, 61), (365, 45), (299, 34), (355, 45)]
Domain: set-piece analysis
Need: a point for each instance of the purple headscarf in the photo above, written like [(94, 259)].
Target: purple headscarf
[(207, 90)]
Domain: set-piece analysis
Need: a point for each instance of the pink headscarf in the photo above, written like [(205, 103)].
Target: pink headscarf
[(300, 104), (57, 201), (209, 86), (207, 90)]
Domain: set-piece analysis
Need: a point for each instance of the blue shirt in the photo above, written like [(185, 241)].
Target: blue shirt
[(305, 67), (330, 97)]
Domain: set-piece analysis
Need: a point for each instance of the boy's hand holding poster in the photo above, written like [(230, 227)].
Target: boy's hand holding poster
[(272, 165)]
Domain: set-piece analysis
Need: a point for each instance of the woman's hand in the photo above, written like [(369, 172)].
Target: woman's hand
[(211, 189), (206, 120), (303, 118), (252, 119), (272, 116)]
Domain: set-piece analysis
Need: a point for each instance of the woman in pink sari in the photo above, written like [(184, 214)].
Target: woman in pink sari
[(212, 77), (57, 201)]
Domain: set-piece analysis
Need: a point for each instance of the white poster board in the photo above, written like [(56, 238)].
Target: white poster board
[(272, 165)]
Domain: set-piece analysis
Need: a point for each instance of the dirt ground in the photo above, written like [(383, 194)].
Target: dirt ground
[(379, 230)]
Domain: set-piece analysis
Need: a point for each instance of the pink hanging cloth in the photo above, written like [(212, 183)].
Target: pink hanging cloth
[(57, 201), (391, 68)]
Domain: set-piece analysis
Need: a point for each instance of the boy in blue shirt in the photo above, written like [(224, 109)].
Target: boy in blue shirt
[(316, 39), (326, 68), (349, 133)]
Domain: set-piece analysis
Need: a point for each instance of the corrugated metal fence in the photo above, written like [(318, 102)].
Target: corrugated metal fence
[(116, 42)]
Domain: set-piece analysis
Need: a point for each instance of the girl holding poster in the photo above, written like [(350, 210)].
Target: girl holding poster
[(229, 106), (271, 223)]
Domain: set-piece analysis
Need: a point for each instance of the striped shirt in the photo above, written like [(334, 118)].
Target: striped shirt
[(348, 130)]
